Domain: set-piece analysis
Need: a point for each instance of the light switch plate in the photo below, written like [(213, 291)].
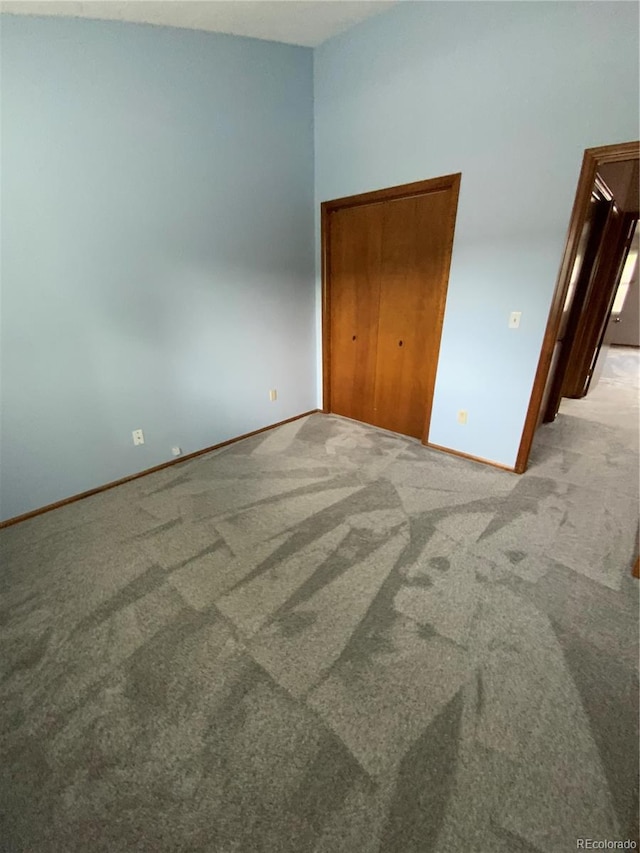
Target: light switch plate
[(514, 319)]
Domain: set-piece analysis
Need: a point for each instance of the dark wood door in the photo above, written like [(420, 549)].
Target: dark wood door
[(413, 283), (601, 307), (581, 276), (592, 320), (386, 265), (356, 240)]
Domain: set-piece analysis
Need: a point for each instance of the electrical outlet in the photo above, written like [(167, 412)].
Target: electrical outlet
[(462, 416), (273, 395), (176, 451), (514, 319), (138, 436)]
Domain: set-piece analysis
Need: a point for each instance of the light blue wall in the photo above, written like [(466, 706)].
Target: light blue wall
[(509, 94), (157, 247), (157, 216)]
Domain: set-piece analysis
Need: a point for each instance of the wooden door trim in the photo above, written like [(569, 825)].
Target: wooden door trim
[(593, 158), (402, 191), (326, 307), (431, 185)]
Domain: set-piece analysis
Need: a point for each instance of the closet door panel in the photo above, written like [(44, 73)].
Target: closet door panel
[(355, 238), (413, 280)]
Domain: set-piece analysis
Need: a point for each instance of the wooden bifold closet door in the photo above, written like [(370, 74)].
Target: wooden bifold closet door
[(386, 258)]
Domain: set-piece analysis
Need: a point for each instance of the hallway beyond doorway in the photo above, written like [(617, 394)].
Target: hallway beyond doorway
[(615, 399)]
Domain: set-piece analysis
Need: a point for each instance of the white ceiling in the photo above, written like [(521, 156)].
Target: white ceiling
[(303, 22)]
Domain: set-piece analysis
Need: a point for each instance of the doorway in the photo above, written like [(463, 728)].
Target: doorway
[(600, 231), (622, 327), (385, 268)]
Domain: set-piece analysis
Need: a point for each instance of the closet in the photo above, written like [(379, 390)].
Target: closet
[(386, 259)]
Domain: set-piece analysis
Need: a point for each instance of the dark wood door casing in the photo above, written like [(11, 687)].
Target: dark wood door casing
[(403, 262)]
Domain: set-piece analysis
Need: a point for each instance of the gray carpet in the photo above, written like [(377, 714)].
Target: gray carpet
[(328, 638)]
